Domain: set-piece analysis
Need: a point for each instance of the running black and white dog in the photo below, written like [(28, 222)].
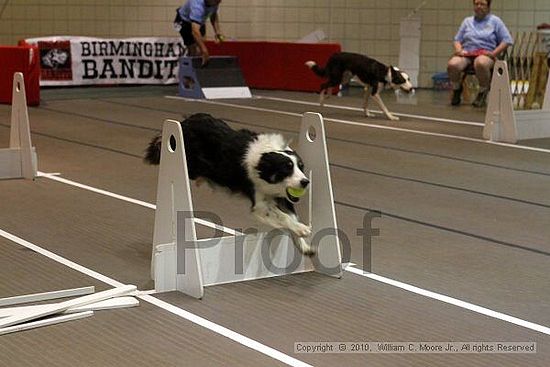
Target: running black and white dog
[(374, 75), (259, 166)]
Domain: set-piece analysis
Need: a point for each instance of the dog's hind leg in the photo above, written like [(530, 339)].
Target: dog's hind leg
[(366, 102), (322, 97), (376, 97), (326, 90)]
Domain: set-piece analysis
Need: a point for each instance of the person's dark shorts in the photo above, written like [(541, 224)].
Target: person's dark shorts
[(187, 33)]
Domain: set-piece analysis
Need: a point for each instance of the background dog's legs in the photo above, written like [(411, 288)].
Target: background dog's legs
[(322, 97), (382, 106), (366, 102), (326, 91)]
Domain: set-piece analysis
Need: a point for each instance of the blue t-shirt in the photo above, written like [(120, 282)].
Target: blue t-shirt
[(485, 34), (196, 11)]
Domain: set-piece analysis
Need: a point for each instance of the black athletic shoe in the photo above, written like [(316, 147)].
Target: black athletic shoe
[(481, 99), (457, 94)]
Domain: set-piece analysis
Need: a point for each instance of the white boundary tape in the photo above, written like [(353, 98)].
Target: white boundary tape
[(450, 300), (420, 117), (495, 314)]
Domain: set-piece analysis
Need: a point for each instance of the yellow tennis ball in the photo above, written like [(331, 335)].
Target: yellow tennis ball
[(296, 192)]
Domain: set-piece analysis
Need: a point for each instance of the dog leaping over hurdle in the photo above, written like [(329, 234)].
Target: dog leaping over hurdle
[(374, 76), (260, 167)]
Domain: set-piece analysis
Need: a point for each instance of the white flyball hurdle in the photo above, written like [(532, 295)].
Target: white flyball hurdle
[(19, 160), (502, 123), (182, 262)]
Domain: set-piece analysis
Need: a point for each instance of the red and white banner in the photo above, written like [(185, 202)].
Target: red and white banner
[(69, 60)]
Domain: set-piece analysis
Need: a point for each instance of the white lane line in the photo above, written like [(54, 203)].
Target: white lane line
[(241, 339), (221, 330), (428, 118), (60, 259), (130, 200), (453, 301), (420, 291), (96, 190), (374, 126)]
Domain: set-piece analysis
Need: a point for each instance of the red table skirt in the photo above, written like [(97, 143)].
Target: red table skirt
[(23, 59), (277, 65)]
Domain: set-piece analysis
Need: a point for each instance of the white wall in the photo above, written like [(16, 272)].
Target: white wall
[(365, 26)]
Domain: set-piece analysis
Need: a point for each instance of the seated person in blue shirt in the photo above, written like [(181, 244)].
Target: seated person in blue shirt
[(480, 40), (191, 19)]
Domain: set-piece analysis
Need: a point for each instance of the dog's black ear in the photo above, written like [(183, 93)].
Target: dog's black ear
[(274, 167), (396, 76)]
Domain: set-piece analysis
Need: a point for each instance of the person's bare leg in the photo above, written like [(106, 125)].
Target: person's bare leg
[(455, 67), (482, 66)]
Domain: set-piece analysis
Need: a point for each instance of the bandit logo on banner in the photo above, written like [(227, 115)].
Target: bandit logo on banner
[(55, 60)]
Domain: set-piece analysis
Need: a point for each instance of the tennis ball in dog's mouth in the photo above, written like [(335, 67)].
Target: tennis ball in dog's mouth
[(297, 193)]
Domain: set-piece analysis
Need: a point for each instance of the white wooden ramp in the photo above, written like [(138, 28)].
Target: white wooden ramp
[(502, 123), (19, 159), (182, 262)]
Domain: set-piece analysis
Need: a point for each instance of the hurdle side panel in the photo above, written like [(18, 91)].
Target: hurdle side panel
[(20, 159), (11, 165), (173, 195), (322, 215), (532, 124), (500, 123)]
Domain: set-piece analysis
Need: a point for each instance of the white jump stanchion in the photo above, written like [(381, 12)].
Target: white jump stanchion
[(502, 123), (19, 160), (182, 262)]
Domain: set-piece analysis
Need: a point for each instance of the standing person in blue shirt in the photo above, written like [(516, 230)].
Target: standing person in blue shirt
[(480, 40), (191, 19)]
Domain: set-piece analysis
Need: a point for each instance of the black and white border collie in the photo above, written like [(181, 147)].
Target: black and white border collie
[(259, 166), (374, 75)]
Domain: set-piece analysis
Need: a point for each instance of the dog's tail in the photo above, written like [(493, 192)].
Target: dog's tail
[(152, 153), (319, 71)]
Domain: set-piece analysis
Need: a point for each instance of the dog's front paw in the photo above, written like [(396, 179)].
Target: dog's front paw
[(304, 247), (393, 117), (301, 230)]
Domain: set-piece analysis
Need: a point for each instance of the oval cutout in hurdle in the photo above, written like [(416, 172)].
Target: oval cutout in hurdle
[(19, 159), (182, 262)]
